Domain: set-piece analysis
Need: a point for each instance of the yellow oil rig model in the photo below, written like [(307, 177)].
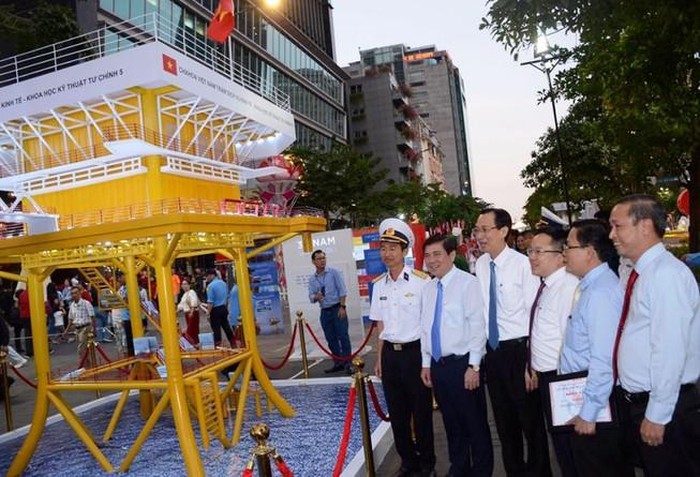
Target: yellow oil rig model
[(123, 149)]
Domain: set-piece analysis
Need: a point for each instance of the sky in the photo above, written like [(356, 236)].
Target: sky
[(504, 119)]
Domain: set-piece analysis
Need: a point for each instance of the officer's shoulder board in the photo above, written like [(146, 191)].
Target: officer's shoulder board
[(421, 274), (379, 277)]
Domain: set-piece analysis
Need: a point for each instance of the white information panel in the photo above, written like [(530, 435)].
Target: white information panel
[(338, 247)]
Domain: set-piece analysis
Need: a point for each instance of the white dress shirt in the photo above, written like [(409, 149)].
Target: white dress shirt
[(551, 318), (660, 344), (462, 327), (517, 287), (397, 305)]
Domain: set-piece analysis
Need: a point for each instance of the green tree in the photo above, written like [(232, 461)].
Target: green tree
[(42, 23), (339, 182), (638, 64)]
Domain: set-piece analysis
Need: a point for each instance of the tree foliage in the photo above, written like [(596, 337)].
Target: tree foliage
[(637, 65), (351, 189), (43, 23)]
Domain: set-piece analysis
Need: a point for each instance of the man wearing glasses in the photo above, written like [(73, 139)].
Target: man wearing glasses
[(588, 346), (508, 289), (549, 315), (552, 306)]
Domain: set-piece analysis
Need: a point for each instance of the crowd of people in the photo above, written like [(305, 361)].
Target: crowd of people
[(74, 310), (625, 340)]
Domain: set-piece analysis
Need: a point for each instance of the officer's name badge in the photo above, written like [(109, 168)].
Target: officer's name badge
[(409, 295), (382, 298)]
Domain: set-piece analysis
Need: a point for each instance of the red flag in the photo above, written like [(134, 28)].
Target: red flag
[(223, 22), (170, 65)]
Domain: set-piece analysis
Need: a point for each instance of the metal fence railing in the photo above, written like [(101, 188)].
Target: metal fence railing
[(129, 34)]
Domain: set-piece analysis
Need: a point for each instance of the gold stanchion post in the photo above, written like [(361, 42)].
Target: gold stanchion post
[(302, 342), (359, 364), (6, 388), (260, 433)]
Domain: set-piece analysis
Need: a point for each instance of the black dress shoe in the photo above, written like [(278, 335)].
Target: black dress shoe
[(334, 369)]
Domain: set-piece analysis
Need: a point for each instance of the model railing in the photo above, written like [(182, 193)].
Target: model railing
[(173, 143), (169, 206), (133, 33)]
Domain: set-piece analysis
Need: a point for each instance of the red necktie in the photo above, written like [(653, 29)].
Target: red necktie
[(533, 311), (623, 318)]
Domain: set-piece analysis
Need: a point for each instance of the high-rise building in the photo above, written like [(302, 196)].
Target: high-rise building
[(384, 124), (291, 46), (436, 91)]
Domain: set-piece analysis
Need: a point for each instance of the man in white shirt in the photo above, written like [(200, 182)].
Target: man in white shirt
[(508, 289), (395, 307), (657, 347), (452, 345), (549, 316), (551, 310)]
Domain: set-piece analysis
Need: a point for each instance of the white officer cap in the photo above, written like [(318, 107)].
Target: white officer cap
[(396, 231)]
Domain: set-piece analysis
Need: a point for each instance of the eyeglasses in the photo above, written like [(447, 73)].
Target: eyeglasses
[(531, 252), (483, 230), (571, 247)]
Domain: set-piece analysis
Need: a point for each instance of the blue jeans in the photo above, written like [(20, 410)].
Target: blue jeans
[(101, 323), (336, 332)]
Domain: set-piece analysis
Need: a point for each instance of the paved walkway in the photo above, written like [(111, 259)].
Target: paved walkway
[(273, 348)]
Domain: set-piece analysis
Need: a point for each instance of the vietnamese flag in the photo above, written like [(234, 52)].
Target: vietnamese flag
[(223, 22), (170, 65)]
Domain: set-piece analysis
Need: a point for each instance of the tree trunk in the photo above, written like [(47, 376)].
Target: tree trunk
[(694, 195)]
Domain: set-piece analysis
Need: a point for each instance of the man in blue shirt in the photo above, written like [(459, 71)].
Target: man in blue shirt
[(657, 348), (234, 311), (326, 287), (588, 346), (216, 306)]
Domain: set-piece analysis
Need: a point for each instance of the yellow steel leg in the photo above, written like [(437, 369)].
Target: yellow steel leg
[(35, 289), (143, 435), (134, 302), (82, 432), (240, 409), (173, 362), (248, 322), (119, 408)]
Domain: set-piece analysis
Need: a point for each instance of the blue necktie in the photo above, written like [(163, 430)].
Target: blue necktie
[(493, 308), (435, 345)]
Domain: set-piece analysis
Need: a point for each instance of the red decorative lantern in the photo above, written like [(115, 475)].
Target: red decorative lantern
[(683, 202)]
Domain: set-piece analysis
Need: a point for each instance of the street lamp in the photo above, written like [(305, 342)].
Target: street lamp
[(545, 62)]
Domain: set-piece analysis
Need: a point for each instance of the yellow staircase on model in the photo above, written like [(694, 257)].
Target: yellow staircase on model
[(111, 297), (106, 291), (206, 400)]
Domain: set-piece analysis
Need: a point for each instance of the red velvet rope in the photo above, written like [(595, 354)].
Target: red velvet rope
[(342, 358), (282, 466), (83, 358), (21, 376), (248, 471), (345, 440), (286, 357), (103, 354), (375, 401)]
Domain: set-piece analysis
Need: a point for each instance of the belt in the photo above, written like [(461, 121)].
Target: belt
[(80, 327), (218, 306), (451, 358), (643, 397), (510, 343), (331, 307), (401, 346)]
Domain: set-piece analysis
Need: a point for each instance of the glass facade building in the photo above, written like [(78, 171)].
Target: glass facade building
[(274, 45)]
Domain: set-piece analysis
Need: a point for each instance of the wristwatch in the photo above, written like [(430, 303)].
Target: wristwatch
[(476, 367)]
